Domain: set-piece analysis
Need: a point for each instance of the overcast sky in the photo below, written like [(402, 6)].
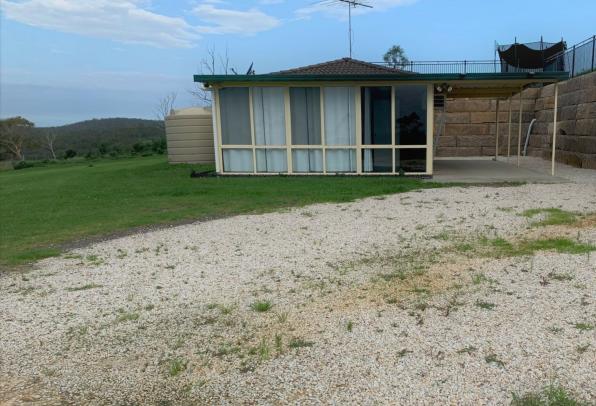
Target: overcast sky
[(63, 61)]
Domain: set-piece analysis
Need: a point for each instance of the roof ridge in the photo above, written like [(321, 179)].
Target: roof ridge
[(338, 62)]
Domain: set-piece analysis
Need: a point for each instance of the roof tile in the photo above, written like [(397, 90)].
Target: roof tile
[(343, 66)]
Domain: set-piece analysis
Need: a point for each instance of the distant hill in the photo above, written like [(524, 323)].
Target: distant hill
[(104, 135)]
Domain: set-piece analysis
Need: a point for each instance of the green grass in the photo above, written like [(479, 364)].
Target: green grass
[(261, 306), (46, 207), (553, 217), (501, 248), (549, 396)]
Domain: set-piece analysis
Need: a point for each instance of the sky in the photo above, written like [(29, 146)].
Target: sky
[(63, 61)]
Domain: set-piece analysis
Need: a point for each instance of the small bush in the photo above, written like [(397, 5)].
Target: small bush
[(261, 306), (23, 165), (70, 153)]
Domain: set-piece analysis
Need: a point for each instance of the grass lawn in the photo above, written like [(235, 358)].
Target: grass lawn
[(46, 207)]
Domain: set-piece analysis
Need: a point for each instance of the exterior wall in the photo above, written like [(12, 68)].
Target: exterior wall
[(189, 136), (470, 124)]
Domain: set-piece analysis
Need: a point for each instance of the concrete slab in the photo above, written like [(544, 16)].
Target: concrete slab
[(488, 171)]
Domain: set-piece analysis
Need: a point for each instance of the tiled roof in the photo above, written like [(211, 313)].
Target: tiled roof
[(344, 66)]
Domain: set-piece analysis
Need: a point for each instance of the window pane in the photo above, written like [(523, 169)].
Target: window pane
[(341, 160), (410, 160), (271, 160), (237, 160), (235, 116), (410, 115), (376, 115), (340, 119), (269, 115), (305, 107), (307, 160), (377, 160)]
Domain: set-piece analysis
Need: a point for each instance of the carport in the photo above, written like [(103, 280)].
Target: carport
[(503, 87)]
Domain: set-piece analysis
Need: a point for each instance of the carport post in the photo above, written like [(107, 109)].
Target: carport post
[(552, 170), (509, 130), (519, 129), (497, 131)]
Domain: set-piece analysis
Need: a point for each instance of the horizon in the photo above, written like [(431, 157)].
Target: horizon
[(70, 61)]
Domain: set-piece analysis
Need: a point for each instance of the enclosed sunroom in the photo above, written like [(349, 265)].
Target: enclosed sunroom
[(339, 117)]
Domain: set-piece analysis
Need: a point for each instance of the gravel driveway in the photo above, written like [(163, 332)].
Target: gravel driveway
[(376, 301)]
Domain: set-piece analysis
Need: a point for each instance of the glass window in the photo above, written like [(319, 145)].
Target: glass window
[(269, 115), (271, 160), (237, 160), (410, 115), (305, 107), (376, 115), (341, 160), (410, 160), (340, 120), (235, 116), (377, 160), (307, 160)]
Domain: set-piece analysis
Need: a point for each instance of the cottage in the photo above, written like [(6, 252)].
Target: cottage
[(341, 117)]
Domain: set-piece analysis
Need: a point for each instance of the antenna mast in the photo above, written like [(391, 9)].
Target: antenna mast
[(352, 3)]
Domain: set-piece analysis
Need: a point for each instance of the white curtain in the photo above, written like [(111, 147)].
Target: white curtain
[(340, 118), (341, 160), (237, 160), (307, 160), (269, 115), (271, 160), (367, 160)]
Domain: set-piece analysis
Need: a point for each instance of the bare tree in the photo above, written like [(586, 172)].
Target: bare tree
[(165, 106), (14, 133), (211, 64), (50, 138)]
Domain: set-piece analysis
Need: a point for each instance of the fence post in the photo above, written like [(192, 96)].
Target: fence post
[(573, 63), (593, 46), (465, 67)]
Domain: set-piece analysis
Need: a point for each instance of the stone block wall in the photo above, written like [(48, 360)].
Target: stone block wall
[(470, 124)]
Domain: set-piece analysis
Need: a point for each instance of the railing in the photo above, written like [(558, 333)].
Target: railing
[(580, 58), (577, 60), (457, 67)]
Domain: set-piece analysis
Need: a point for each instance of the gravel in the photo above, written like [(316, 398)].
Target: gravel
[(166, 316)]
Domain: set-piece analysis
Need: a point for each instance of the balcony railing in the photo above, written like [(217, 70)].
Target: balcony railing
[(456, 67)]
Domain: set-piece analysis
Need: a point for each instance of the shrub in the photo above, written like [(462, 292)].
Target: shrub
[(70, 153), (22, 165)]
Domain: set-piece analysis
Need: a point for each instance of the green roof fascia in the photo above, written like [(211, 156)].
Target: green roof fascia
[(427, 77)]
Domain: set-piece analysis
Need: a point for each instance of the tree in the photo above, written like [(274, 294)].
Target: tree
[(396, 57), (212, 64), (14, 133), (165, 106), (50, 138)]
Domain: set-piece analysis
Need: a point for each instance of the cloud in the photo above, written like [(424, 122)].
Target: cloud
[(119, 20), (340, 11), (227, 21), (130, 21)]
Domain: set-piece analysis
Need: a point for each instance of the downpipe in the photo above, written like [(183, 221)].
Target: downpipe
[(528, 136)]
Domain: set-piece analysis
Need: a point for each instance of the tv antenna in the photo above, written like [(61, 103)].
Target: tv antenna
[(352, 4)]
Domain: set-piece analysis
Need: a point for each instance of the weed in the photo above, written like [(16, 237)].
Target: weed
[(485, 305), (582, 348), (261, 306), (555, 329), (584, 326), (279, 343), (94, 260), (282, 317), (300, 343), (121, 254), (263, 350), (467, 350), (492, 359), (403, 352), (560, 276), (127, 316), (84, 287), (149, 307), (553, 216), (177, 365), (549, 396), (350, 326)]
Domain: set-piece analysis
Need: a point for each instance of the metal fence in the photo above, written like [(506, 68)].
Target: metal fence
[(579, 59)]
